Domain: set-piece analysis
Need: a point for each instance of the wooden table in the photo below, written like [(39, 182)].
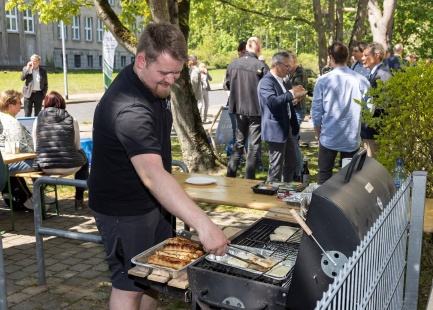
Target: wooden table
[(14, 158), (228, 191)]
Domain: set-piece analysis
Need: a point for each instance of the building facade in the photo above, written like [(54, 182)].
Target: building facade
[(22, 35)]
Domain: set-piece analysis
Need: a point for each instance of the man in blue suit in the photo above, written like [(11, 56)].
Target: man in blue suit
[(372, 59), (279, 122), (396, 61)]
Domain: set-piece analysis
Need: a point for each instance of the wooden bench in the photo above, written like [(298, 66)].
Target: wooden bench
[(39, 174)]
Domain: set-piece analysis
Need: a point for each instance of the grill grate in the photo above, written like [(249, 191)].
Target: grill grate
[(258, 237)]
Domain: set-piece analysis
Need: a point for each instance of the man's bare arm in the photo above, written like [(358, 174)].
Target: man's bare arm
[(171, 195)]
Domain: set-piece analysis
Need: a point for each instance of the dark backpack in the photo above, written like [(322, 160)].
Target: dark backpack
[(20, 192)]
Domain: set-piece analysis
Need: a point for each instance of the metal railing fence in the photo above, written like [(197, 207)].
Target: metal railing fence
[(383, 272)]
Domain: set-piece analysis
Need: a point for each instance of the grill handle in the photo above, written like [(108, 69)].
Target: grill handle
[(361, 154), (218, 305)]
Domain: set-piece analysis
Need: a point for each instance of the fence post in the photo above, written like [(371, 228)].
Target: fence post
[(415, 239)]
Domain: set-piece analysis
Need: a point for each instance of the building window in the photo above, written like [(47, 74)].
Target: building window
[(122, 61), (77, 61), (12, 20), (90, 61), (88, 28), (76, 28), (28, 21), (112, 2), (59, 30), (100, 31), (61, 56), (100, 60), (132, 59)]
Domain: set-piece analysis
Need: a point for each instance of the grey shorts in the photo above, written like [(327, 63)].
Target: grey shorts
[(126, 236)]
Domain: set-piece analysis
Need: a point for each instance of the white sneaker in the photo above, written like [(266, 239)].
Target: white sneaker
[(49, 199), (29, 204)]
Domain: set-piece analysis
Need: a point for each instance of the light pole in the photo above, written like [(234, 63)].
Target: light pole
[(296, 27), (65, 66)]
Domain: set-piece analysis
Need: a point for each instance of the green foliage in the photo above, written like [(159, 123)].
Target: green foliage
[(405, 128), (413, 26)]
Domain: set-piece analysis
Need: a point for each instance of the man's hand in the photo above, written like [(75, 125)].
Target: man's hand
[(29, 65), (298, 91), (213, 239)]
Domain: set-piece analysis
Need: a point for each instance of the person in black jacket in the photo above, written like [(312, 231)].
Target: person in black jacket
[(57, 142), (242, 77), (35, 87)]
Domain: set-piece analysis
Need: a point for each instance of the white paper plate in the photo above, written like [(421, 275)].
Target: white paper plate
[(200, 180)]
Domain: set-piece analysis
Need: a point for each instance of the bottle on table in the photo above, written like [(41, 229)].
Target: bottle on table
[(305, 174), (399, 173)]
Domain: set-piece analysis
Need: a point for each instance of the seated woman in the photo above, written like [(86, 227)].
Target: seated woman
[(56, 138), (13, 130)]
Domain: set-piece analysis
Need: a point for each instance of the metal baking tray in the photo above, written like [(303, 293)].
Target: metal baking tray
[(141, 260), (287, 264)]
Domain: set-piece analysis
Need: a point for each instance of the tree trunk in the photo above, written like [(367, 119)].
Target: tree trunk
[(358, 26), (125, 38), (339, 33), (196, 150), (320, 29), (159, 10), (381, 24), (331, 22)]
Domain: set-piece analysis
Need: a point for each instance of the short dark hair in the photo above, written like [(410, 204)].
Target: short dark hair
[(158, 38), (339, 52), (242, 46), (54, 100), (361, 46)]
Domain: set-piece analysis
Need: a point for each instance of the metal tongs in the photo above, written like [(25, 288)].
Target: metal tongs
[(192, 236)]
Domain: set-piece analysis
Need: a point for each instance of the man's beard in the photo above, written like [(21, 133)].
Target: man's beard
[(160, 93)]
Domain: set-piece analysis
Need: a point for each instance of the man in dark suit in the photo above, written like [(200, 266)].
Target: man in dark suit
[(372, 59), (279, 117), (35, 87), (396, 61)]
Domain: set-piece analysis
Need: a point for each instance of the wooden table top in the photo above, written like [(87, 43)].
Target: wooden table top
[(14, 158), (228, 191)]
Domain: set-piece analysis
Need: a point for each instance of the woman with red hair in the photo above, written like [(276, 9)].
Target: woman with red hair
[(56, 137)]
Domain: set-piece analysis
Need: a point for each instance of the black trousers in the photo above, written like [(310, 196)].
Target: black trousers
[(82, 174), (35, 100), (326, 162)]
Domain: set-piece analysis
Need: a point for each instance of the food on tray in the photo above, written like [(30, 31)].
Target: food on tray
[(281, 269), (267, 262), (182, 248), (282, 233), (237, 262), (167, 261), (176, 253)]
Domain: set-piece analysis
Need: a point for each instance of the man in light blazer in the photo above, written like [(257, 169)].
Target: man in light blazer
[(373, 59), (279, 122), (35, 86)]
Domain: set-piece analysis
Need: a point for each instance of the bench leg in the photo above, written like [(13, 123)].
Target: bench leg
[(44, 211), (10, 200), (56, 199)]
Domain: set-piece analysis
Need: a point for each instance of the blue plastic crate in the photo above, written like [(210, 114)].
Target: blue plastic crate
[(87, 146)]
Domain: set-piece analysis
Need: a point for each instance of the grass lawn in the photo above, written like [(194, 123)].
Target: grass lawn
[(79, 81)]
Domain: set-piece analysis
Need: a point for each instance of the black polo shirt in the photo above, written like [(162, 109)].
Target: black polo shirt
[(128, 121)]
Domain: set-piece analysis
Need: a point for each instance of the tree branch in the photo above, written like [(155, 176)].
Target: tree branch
[(298, 19)]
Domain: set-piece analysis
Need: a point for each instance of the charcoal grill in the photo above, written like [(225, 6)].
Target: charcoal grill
[(341, 212)]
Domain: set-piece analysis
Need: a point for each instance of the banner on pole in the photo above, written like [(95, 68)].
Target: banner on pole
[(109, 47)]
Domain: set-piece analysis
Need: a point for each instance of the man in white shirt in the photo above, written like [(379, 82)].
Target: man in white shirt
[(335, 114)]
